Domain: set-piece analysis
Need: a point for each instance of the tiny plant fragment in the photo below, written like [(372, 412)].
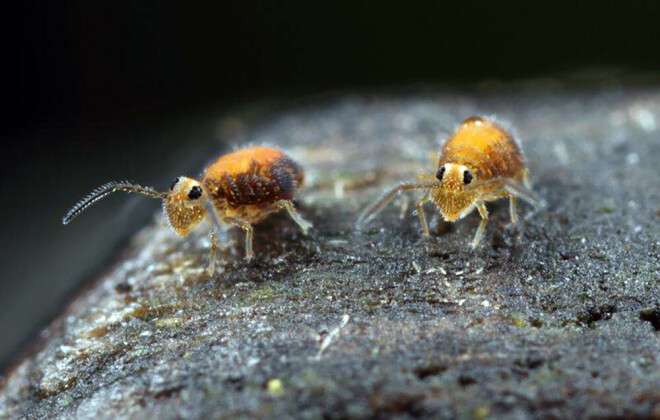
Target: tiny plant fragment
[(480, 162), (239, 189)]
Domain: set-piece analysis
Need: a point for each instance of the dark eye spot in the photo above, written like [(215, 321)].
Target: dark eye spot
[(440, 173), (195, 193), (173, 184), (467, 177)]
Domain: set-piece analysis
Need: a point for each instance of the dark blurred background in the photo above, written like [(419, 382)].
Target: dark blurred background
[(98, 90)]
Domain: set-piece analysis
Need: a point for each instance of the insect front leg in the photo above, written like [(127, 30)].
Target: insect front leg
[(478, 236), (249, 234), (419, 208), (291, 209)]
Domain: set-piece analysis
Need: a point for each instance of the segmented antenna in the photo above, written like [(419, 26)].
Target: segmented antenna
[(512, 187), (375, 207), (105, 190)]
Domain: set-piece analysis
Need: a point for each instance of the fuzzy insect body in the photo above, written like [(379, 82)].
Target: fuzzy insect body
[(240, 189), (479, 162), (247, 182)]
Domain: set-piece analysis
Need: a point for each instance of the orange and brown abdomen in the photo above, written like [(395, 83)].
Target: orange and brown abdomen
[(485, 147), (254, 176)]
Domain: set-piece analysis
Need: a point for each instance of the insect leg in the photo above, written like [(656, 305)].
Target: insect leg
[(249, 234), (422, 215), (291, 209), (515, 189), (214, 251), (526, 180), (404, 206), (513, 209), (482, 225)]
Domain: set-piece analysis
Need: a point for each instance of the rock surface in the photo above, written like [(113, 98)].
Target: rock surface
[(559, 317)]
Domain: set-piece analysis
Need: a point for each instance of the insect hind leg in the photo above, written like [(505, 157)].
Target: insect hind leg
[(513, 209), (214, 252), (249, 234), (291, 209)]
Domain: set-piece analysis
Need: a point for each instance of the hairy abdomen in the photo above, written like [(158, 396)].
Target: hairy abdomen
[(255, 177)]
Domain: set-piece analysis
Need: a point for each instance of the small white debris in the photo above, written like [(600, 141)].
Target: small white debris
[(339, 189), (327, 340), (562, 153), (617, 118), (644, 118), (67, 349), (417, 267), (461, 302), (485, 304), (632, 158)]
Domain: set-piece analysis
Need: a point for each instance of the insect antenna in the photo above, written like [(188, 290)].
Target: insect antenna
[(512, 187), (373, 209), (105, 190)]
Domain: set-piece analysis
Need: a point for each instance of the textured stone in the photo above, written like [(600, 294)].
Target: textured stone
[(555, 318)]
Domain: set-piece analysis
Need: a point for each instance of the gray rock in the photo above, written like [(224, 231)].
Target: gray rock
[(559, 317)]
